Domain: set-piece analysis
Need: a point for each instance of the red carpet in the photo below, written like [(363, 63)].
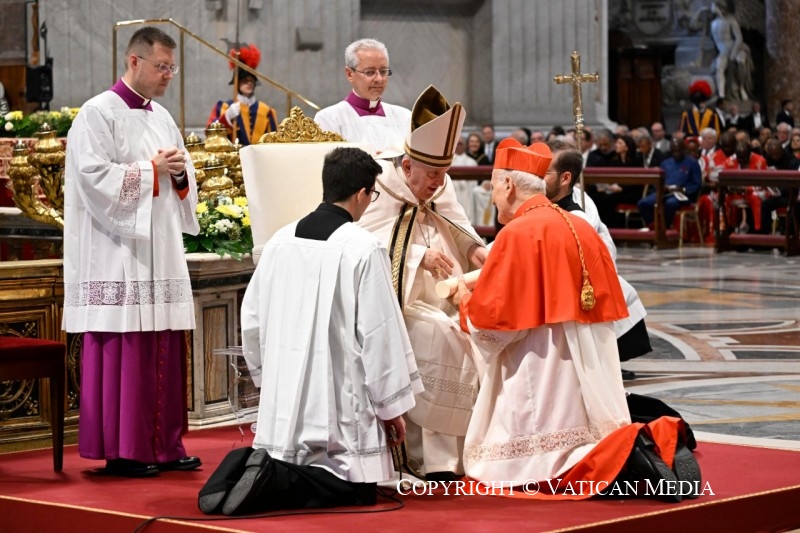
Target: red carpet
[(755, 489)]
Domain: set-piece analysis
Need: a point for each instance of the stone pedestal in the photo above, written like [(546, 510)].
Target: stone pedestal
[(218, 287)]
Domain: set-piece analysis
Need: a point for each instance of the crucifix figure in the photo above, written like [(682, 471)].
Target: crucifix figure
[(577, 79)]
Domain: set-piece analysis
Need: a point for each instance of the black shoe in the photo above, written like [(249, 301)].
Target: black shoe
[(441, 476), (222, 480), (686, 468), (258, 471), (186, 463), (628, 375), (129, 468), (645, 466)]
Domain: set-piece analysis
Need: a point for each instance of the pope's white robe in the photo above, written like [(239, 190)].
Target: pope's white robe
[(550, 394), (636, 310), (444, 354), (324, 338), (380, 133), (124, 264)]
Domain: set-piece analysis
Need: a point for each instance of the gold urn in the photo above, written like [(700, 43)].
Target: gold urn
[(48, 158), (197, 151), (217, 183), (217, 143), (24, 185)]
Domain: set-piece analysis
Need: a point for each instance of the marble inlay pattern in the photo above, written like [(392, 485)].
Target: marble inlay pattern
[(725, 330)]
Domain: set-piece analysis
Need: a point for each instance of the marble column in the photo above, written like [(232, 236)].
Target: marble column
[(783, 62)]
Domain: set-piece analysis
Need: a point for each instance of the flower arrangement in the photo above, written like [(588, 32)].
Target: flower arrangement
[(15, 124), (224, 228)]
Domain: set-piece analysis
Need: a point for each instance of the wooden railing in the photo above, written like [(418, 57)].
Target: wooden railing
[(789, 180), (652, 177)]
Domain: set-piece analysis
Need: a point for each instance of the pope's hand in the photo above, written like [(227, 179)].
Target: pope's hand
[(233, 111), (477, 254), (437, 264)]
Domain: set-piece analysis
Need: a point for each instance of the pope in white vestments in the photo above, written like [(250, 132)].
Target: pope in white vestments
[(419, 221), (129, 195), (363, 117)]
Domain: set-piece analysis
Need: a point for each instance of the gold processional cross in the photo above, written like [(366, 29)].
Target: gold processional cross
[(577, 79)]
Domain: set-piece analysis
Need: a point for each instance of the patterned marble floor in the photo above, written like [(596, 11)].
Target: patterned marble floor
[(725, 330)]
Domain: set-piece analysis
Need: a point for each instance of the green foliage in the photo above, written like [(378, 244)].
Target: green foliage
[(224, 228), (15, 124)]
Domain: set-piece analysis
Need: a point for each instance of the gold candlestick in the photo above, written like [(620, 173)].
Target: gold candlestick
[(24, 186), (48, 158)]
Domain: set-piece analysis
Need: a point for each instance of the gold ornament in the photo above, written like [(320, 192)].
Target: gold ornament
[(587, 294), (48, 158), (297, 128)]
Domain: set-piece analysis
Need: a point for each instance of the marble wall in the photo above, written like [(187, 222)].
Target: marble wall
[(783, 62), (498, 57)]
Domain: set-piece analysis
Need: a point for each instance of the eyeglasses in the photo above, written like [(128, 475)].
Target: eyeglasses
[(375, 193), (163, 68), (372, 72)]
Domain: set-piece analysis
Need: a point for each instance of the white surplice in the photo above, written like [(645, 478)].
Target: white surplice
[(124, 264), (324, 338), (445, 355), (380, 133), (548, 396)]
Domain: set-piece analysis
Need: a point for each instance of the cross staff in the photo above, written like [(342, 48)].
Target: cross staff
[(577, 79)]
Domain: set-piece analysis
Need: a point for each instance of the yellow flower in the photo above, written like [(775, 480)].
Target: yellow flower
[(241, 201), (246, 221), (202, 207), (230, 210)]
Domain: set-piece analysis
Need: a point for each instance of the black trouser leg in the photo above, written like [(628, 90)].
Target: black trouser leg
[(309, 487)]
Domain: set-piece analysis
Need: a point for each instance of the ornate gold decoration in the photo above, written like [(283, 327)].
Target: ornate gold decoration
[(48, 158), (216, 182), (217, 143), (297, 128), (24, 186), (197, 151)]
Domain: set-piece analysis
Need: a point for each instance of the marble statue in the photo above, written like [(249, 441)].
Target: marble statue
[(733, 61)]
